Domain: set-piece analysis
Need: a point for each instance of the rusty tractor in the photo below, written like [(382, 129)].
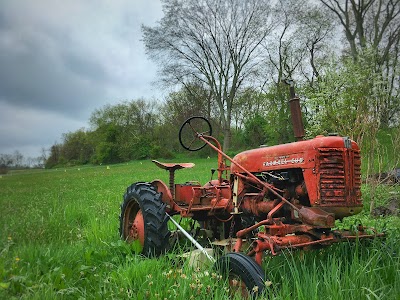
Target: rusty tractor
[(262, 200)]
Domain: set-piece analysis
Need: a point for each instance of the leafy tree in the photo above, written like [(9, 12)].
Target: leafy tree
[(254, 133), (345, 100), (373, 26), (54, 157), (77, 147), (250, 102), (124, 131), (280, 128)]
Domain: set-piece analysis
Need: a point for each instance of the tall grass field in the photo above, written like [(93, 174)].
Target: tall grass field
[(59, 240)]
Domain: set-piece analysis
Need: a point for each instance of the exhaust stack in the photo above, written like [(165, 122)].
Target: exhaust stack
[(295, 112)]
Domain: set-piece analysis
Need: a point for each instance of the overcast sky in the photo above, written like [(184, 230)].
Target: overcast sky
[(60, 60)]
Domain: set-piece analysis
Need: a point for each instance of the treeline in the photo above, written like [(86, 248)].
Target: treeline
[(126, 131), (7, 161), (232, 74), (140, 129)]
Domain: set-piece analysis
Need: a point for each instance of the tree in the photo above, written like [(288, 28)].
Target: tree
[(285, 51), (193, 99), (293, 50), (55, 156), (216, 42), (77, 147), (254, 133), (14, 160), (316, 30), (345, 100), (41, 160), (18, 158), (124, 131), (374, 25), (251, 102), (6, 161), (368, 23)]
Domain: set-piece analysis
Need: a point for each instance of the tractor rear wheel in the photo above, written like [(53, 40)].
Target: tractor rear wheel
[(143, 220), (245, 276)]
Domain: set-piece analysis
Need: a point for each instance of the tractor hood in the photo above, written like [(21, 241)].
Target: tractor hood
[(300, 154)]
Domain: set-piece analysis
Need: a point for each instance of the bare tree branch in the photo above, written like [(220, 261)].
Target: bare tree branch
[(214, 41)]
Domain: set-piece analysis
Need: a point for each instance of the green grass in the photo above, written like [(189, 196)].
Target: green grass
[(59, 240)]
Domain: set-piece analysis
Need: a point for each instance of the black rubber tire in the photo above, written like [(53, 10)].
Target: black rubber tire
[(239, 265), (143, 196)]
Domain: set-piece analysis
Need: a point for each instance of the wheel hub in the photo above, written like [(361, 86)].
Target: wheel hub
[(136, 231)]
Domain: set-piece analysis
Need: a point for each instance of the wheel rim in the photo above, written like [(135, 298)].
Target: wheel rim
[(136, 231), (134, 227)]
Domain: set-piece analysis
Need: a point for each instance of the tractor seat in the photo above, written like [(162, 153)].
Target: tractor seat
[(173, 166)]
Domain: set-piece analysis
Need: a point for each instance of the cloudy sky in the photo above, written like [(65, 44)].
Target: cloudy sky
[(60, 60)]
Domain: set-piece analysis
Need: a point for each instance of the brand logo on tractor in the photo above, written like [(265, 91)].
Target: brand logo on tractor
[(284, 161)]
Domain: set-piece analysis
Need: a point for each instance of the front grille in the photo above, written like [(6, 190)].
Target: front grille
[(339, 175)]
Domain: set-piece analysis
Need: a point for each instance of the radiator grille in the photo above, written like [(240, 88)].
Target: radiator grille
[(339, 177)]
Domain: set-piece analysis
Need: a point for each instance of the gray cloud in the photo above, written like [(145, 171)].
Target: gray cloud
[(28, 130), (60, 60)]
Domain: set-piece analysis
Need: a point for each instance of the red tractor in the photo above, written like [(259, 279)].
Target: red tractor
[(269, 198)]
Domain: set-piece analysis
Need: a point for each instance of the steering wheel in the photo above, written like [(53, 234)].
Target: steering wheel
[(190, 131)]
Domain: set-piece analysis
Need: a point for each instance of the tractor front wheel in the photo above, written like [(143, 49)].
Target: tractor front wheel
[(245, 276), (143, 220)]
